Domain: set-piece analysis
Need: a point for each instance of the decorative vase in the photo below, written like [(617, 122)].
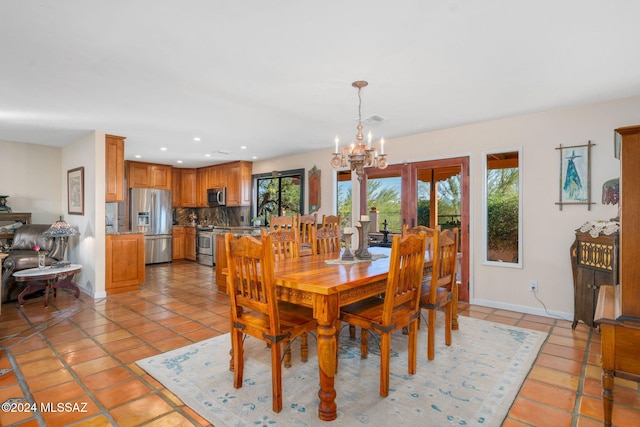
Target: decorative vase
[(41, 263)]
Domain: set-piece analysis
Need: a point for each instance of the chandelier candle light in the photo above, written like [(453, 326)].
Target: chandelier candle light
[(359, 155)]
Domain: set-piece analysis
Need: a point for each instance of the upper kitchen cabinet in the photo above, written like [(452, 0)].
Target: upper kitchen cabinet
[(218, 176), (149, 175), (202, 183), (188, 188), (114, 183), (175, 187), (239, 183)]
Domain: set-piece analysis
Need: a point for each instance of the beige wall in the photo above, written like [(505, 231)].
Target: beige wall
[(547, 231), (29, 175), (88, 249)]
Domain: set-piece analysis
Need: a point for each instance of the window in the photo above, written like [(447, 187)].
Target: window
[(502, 209), (278, 192), (344, 198)]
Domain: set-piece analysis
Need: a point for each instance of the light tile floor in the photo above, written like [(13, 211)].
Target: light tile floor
[(82, 352)]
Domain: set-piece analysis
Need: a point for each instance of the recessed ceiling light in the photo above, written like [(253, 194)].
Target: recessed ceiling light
[(196, 138), (207, 155), (179, 161), (243, 147), (254, 157), (137, 156), (163, 148)]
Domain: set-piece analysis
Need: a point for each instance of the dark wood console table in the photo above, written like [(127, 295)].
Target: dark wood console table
[(594, 261), (47, 278)]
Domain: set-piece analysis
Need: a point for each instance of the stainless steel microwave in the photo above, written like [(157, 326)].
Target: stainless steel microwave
[(216, 197)]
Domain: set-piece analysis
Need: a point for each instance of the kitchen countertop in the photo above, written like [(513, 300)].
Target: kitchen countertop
[(116, 233)]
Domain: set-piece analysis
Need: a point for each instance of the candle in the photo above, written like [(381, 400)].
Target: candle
[(348, 230), (364, 218), (369, 138), (381, 145), (337, 142)]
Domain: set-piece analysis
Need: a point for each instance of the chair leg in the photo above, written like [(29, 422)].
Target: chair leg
[(238, 357), (287, 353), (431, 335), (385, 361), (304, 347), (413, 346), (364, 343), (454, 302), (352, 332), (276, 377), (447, 323)]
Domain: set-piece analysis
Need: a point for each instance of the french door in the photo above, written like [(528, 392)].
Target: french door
[(433, 193)]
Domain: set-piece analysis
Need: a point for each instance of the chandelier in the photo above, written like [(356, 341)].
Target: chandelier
[(359, 155)]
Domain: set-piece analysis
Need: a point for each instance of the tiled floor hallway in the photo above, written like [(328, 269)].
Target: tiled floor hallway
[(83, 352)]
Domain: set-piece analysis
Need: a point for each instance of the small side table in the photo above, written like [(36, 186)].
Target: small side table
[(47, 278)]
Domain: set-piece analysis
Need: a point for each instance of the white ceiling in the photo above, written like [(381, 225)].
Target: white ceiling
[(275, 76)]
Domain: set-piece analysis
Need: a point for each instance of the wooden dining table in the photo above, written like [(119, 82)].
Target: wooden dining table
[(312, 282)]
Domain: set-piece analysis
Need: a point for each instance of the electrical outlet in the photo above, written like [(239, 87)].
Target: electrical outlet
[(533, 286)]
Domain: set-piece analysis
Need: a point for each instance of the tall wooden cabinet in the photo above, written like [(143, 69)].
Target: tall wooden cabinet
[(594, 261), (114, 180), (618, 309)]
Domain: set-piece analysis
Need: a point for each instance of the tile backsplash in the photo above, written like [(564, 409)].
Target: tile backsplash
[(218, 217)]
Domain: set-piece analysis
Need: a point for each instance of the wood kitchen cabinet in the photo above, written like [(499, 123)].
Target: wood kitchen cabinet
[(178, 242), (202, 184), (188, 188), (217, 176), (149, 175), (114, 162), (190, 243), (175, 187), (594, 261), (239, 183), (618, 309), (124, 262)]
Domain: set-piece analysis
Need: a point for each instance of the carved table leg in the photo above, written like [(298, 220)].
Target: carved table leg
[(29, 289), (326, 313), (66, 283), (607, 395)]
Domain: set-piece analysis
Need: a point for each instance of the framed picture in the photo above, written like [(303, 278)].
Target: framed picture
[(75, 191), (575, 175)]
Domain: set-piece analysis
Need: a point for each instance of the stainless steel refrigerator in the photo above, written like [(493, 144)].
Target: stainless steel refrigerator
[(151, 215)]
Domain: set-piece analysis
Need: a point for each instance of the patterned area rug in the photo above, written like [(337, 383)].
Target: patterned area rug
[(472, 382)]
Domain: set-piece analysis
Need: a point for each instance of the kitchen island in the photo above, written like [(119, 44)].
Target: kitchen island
[(124, 262)]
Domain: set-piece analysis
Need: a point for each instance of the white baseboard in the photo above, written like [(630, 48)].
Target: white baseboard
[(524, 309)]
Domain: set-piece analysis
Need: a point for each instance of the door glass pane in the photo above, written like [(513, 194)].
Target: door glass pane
[(344, 198), (449, 193), (384, 194), (279, 195), (502, 208)]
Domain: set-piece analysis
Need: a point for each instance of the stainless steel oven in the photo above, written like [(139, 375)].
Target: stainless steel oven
[(205, 247)]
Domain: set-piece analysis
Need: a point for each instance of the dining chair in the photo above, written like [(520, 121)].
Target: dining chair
[(255, 310), (331, 221), (306, 223), (283, 221), (438, 292), (400, 306), (285, 243), (285, 246), (326, 240)]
